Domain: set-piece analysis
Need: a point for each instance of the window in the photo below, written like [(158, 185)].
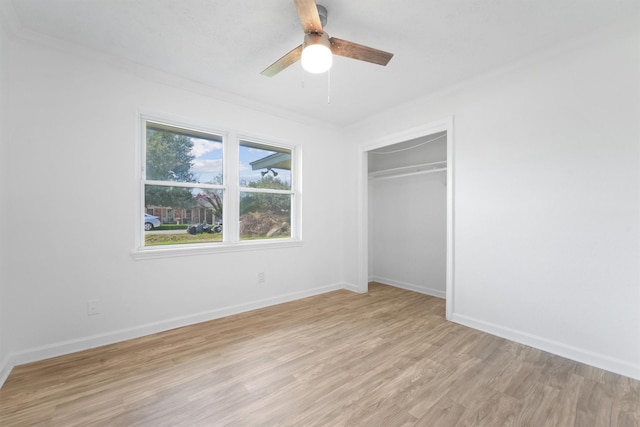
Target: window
[(265, 191), (189, 203)]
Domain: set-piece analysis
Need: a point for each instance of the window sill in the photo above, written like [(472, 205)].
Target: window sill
[(200, 249)]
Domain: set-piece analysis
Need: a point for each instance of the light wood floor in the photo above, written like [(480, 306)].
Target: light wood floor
[(385, 358)]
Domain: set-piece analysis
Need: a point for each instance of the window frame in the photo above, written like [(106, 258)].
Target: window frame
[(230, 187)]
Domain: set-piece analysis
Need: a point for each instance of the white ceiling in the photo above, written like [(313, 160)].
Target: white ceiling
[(225, 44)]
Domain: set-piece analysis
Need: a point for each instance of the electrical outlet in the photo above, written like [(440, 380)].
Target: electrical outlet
[(261, 277), (93, 307)]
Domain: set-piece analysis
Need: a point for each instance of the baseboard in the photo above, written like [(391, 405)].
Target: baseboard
[(579, 355), (98, 340), (353, 288), (410, 287), (5, 369)]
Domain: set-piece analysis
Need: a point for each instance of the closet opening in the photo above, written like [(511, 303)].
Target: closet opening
[(407, 201)]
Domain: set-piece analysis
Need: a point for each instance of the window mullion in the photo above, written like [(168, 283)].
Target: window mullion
[(264, 190), (183, 184), (232, 197)]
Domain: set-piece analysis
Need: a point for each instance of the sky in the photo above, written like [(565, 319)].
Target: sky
[(208, 161)]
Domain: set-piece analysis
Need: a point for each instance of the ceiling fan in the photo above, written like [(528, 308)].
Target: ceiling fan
[(317, 49)]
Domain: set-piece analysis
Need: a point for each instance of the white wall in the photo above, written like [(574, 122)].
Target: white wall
[(547, 197), (409, 232), (72, 199)]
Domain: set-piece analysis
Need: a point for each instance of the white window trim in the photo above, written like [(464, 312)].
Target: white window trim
[(203, 249), (231, 199)]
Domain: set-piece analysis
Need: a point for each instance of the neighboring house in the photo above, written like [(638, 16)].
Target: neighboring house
[(203, 212), (274, 161)]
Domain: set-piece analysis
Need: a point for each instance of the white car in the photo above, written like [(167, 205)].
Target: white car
[(151, 222)]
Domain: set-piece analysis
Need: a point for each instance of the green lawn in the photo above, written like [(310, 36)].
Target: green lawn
[(183, 238), (180, 238)]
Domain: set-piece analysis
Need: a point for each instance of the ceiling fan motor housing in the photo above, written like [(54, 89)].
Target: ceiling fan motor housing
[(322, 11)]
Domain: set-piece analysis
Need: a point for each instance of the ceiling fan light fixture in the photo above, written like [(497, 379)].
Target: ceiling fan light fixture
[(316, 54)]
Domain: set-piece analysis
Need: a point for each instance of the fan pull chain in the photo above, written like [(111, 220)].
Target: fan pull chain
[(329, 86)]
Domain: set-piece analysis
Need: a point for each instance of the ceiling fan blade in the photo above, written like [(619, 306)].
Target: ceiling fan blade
[(282, 63), (357, 51), (309, 17)]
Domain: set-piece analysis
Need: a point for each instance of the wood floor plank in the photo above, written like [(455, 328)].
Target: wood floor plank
[(385, 358)]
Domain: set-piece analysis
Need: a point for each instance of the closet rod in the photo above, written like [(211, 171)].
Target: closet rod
[(402, 175)]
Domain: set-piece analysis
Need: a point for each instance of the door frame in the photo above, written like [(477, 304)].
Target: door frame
[(427, 129)]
